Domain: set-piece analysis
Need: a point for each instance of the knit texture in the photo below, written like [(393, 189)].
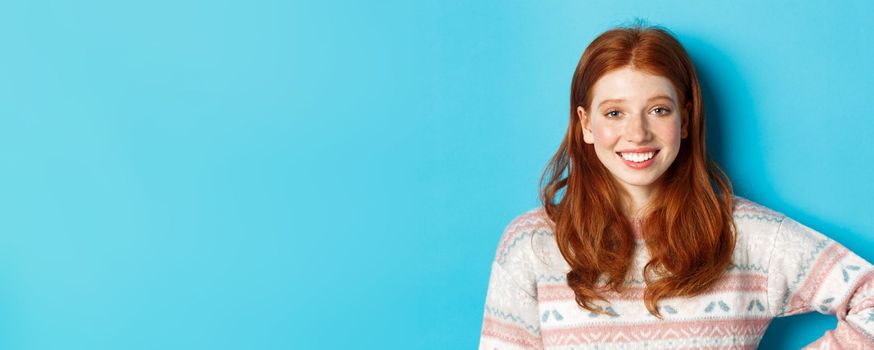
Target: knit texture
[(779, 268)]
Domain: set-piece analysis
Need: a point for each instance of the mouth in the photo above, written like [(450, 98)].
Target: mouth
[(638, 160)]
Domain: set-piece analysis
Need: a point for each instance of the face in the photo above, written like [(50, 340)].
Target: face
[(635, 125)]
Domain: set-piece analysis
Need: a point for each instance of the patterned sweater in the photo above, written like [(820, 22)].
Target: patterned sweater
[(779, 268)]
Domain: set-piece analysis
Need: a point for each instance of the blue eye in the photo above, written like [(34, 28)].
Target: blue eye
[(612, 114)]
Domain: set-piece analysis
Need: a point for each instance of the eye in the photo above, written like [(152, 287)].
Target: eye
[(612, 114), (661, 111)]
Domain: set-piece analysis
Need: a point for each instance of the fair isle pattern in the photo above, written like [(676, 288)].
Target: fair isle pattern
[(680, 333), (532, 222), (734, 282), (780, 267)]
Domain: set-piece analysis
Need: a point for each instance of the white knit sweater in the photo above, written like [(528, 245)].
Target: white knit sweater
[(780, 268)]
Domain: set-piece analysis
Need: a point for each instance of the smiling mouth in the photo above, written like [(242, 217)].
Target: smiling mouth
[(638, 157)]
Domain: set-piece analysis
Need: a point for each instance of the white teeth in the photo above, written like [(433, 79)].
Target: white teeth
[(637, 157)]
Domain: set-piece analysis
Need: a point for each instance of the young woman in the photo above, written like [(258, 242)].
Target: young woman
[(640, 242)]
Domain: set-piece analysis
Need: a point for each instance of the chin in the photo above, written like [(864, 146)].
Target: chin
[(642, 182)]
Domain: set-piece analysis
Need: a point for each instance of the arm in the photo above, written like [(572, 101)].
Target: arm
[(510, 320), (810, 272)]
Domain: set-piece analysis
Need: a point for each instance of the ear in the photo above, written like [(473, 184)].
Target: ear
[(584, 122), (684, 124)]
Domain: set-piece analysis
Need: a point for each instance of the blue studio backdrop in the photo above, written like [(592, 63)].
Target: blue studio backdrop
[(196, 174)]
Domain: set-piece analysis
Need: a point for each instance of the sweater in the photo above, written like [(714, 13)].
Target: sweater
[(779, 268)]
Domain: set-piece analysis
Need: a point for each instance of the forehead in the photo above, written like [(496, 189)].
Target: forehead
[(631, 85)]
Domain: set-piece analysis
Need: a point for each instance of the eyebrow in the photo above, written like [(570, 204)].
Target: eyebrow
[(649, 100)]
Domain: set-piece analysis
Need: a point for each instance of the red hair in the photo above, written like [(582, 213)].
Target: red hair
[(687, 225)]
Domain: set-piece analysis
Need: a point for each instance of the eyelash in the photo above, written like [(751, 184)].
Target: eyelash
[(666, 111)]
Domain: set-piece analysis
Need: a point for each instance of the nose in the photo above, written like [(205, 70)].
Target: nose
[(637, 129)]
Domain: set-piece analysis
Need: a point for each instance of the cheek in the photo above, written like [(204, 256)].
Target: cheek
[(670, 132), (604, 135)]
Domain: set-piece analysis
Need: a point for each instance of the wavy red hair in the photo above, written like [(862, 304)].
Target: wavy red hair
[(687, 225)]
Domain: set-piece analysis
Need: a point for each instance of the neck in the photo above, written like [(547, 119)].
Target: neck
[(638, 198)]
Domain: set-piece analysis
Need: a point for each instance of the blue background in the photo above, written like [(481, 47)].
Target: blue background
[(274, 175)]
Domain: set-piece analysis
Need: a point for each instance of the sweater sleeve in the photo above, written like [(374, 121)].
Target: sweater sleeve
[(810, 272), (510, 320)]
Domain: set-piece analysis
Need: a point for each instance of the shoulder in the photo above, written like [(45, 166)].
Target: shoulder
[(533, 219), (753, 218), (745, 209), (757, 227), (516, 241)]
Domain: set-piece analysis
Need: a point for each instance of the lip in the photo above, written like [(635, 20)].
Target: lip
[(639, 150), (641, 165)]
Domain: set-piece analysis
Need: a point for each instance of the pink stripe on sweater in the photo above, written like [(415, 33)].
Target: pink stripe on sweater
[(533, 219), (864, 288), (508, 333), (658, 330), (821, 269), (845, 336)]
